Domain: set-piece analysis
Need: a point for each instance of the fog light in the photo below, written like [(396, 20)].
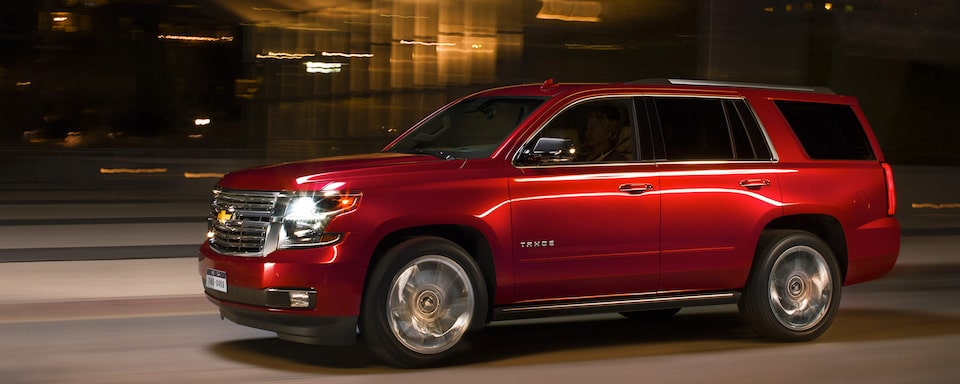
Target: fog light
[(299, 299)]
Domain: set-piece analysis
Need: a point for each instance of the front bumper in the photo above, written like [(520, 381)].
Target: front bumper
[(333, 330), (258, 293)]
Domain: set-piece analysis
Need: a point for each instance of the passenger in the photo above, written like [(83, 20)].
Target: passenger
[(600, 139)]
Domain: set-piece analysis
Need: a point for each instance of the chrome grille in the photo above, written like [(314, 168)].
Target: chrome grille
[(239, 221)]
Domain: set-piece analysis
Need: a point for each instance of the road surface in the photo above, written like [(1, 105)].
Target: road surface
[(145, 321)]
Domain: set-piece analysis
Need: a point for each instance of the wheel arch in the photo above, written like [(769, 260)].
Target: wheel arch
[(826, 227), (470, 239)]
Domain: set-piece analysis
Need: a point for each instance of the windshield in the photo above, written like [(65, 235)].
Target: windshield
[(470, 129)]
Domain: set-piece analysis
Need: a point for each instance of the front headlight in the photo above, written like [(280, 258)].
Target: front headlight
[(306, 217)]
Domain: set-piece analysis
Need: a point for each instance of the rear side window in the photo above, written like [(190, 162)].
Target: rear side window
[(709, 129), (827, 131)]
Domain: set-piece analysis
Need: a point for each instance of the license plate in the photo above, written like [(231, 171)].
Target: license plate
[(216, 280)]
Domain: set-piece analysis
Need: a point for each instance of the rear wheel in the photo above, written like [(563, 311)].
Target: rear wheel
[(421, 300), (794, 289)]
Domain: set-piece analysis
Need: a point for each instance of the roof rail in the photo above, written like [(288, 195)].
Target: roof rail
[(823, 90)]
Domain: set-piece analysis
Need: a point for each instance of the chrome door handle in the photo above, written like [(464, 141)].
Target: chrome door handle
[(754, 183), (636, 188)]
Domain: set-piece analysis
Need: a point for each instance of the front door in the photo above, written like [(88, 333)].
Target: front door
[(589, 227)]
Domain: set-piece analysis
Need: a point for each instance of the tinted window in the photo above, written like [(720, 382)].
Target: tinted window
[(827, 131), (694, 129), (750, 142), (709, 129)]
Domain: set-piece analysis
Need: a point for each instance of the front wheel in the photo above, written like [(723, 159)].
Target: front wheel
[(421, 300), (794, 289)]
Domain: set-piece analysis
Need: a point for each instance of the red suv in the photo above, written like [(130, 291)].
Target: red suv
[(555, 199)]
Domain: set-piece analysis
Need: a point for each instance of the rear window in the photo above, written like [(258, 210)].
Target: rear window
[(827, 131)]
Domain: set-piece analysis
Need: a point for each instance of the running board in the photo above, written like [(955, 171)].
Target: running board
[(613, 304)]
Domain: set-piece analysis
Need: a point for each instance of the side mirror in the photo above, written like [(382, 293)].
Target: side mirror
[(548, 150)]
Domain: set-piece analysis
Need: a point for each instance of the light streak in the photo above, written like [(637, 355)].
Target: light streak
[(110, 171), (403, 16), (202, 175), (429, 44), (321, 67), (682, 191), (594, 47), (204, 39), (935, 206), (284, 55), (342, 54), (622, 175)]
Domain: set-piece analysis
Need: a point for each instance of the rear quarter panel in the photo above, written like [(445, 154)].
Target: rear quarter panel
[(851, 191)]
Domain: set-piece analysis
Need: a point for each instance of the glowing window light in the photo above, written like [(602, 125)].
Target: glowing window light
[(342, 54), (204, 39), (59, 19), (284, 55), (322, 67), (429, 44), (828, 6)]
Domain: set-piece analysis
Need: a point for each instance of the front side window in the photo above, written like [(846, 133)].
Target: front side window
[(470, 129), (598, 131)]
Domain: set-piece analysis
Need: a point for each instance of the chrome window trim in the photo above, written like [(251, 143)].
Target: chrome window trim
[(774, 156)]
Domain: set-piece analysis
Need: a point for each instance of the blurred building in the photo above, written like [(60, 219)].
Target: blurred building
[(304, 78), (326, 77)]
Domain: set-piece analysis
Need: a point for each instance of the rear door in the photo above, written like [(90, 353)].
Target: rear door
[(719, 186)]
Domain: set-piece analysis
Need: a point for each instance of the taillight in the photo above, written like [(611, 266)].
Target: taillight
[(891, 193)]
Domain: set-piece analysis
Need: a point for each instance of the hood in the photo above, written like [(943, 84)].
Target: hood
[(314, 174)]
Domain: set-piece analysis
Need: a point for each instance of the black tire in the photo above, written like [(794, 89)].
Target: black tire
[(421, 299), (651, 316), (794, 288)]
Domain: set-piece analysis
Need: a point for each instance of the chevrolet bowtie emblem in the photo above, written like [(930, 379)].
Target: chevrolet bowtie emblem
[(224, 216)]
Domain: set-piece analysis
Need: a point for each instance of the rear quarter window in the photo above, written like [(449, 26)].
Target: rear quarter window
[(827, 131)]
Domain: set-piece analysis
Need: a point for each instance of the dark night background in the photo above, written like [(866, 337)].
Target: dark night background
[(117, 117), (83, 79)]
